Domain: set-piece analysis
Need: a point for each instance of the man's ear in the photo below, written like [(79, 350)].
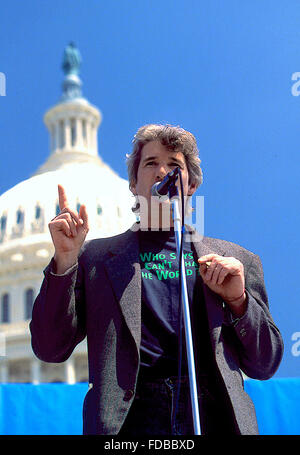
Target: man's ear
[(132, 188), (192, 189)]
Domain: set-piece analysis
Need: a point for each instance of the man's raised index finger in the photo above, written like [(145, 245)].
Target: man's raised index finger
[(62, 198)]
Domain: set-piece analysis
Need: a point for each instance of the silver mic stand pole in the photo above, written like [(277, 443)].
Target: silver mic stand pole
[(174, 198)]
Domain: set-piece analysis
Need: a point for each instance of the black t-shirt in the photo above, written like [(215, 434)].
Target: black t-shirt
[(160, 305)]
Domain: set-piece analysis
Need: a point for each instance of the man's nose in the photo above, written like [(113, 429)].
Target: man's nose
[(161, 172)]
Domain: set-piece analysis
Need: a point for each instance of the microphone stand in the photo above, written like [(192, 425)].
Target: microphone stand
[(174, 198)]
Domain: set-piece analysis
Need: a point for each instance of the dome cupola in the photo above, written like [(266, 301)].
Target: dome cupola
[(73, 122)]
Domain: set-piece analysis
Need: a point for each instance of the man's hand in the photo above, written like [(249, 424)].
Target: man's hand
[(68, 231), (225, 277)]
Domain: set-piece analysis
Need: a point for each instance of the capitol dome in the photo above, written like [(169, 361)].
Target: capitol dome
[(25, 211)]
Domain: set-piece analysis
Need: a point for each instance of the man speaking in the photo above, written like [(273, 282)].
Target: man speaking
[(122, 293)]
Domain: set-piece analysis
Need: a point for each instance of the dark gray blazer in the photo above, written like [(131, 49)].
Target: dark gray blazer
[(100, 297)]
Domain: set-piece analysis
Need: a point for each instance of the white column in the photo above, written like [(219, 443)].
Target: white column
[(70, 375), (94, 139), (35, 372), (84, 133), (56, 127), (79, 141), (91, 147), (67, 134), (88, 136)]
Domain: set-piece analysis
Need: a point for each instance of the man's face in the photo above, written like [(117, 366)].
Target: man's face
[(156, 162)]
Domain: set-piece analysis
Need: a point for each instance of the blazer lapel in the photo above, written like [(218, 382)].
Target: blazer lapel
[(124, 272)]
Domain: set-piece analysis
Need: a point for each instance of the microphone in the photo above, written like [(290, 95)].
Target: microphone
[(162, 188)]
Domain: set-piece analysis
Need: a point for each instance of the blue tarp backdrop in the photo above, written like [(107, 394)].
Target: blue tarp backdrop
[(56, 409)]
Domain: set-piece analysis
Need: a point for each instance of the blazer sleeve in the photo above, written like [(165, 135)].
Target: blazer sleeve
[(58, 318), (259, 340)]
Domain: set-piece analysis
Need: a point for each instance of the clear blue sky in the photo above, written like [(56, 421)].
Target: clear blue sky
[(219, 69)]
